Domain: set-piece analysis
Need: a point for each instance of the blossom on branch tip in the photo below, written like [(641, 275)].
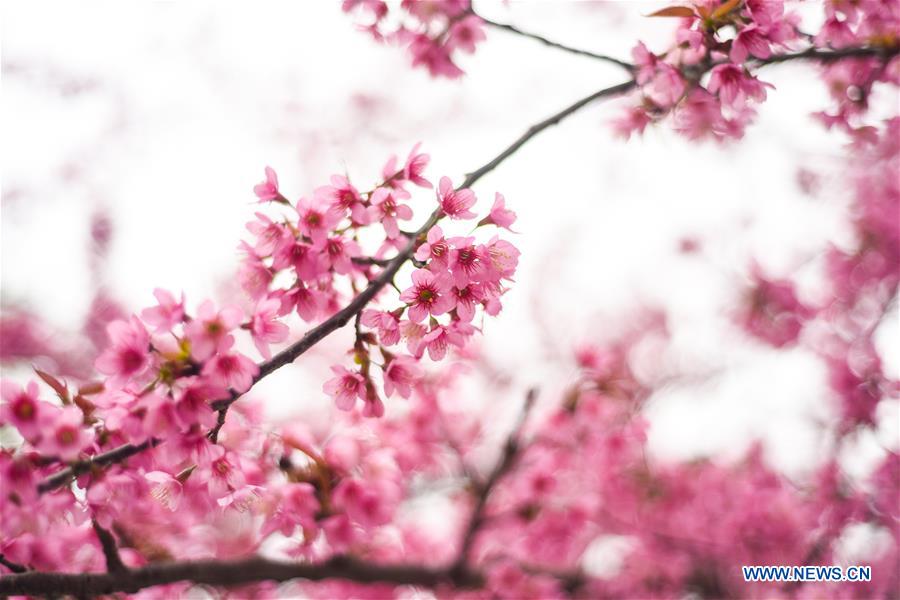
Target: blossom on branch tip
[(455, 203), (268, 189)]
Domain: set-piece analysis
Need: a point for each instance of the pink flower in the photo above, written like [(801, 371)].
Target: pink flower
[(465, 34), (304, 258), (750, 40), (315, 219), (466, 262), (363, 504), (192, 402), (167, 313), (222, 475), (268, 189), (467, 298), (429, 294), (339, 253), (386, 209), (208, 333), (646, 63), (734, 85), (436, 249), (307, 301), (128, 355), (343, 198), (667, 86), (345, 387), (401, 374), (165, 489), (634, 120), (501, 259), (387, 323), (22, 409), (65, 436), (455, 203), (500, 215), (255, 277), (415, 166), (772, 311), (232, 370), (265, 327), (269, 234), (434, 57)]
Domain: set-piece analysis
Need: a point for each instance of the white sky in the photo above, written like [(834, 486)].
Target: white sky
[(165, 113)]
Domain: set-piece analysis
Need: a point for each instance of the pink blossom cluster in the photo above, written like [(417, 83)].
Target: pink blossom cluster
[(706, 80), (166, 369), (433, 31)]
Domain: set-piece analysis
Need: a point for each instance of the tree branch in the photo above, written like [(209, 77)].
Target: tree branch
[(827, 56), (229, 573), (12, 566), (513, 29), (114, 562), (503, 466), (100, 460)]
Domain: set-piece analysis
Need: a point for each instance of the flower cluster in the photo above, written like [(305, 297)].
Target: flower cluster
[(706, 81), (432, 30), (167, 370), (457, 278)]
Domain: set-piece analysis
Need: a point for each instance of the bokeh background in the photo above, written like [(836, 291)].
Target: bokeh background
[(133, 133)]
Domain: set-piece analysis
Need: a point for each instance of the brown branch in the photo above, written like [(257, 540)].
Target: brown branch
[(547, 42), (12, 566), (229, 573), (826, 56), (114, 562), (503, 466), (100, 460)]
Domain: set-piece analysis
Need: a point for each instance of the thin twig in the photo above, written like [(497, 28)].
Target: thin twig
[(12, 566), (513, 29), (114, 562), (827, 56), (101, 460), (503, 466)]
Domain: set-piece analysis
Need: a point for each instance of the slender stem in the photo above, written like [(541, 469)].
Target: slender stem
[(114, 563), (503, 466), (228, 573), (827, 56), (513, 29)]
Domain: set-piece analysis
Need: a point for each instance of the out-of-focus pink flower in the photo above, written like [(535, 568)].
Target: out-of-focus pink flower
[(209, 332), (345, 387), (22, 409), (401, 374), (265, 326), (128, 353), (387, 323), (415, 165), (231, 369), (167, 313), (268, 189), (750, 41), (65, 435)]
